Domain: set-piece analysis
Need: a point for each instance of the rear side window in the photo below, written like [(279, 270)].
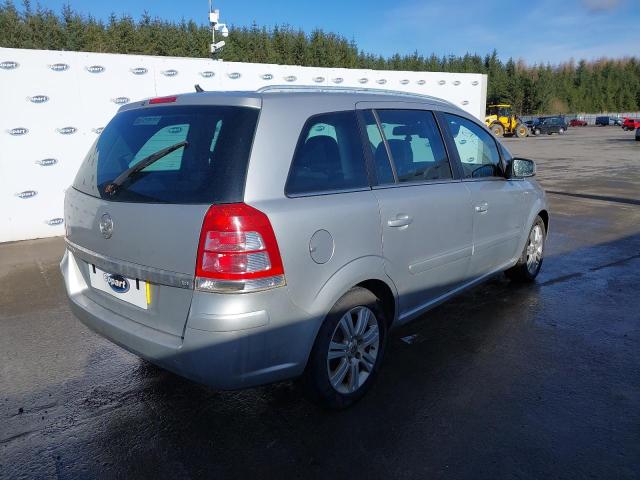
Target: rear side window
[(417, 149), (328, 157), (211, 168)]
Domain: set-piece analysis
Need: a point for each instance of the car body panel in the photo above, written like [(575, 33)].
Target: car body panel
[(430, 255)]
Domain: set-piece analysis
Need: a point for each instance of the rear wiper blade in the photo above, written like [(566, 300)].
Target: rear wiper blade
[(114, 186)]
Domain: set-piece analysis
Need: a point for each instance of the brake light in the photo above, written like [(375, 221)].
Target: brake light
[(238, 251), (162, 100)]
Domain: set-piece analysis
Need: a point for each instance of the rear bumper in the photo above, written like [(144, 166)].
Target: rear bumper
[(229, 341)]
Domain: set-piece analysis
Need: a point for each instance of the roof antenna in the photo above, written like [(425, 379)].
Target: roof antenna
[(199, 89)]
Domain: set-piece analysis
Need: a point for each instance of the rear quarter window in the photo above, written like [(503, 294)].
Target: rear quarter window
[(328, 157)]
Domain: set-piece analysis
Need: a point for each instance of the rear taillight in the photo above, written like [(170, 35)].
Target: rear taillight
[(238, 251)]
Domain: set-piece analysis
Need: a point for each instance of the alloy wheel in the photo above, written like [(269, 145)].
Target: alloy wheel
[(353, 350), (535, 246)]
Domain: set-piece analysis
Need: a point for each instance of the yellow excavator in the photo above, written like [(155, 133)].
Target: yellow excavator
[(502, 121)]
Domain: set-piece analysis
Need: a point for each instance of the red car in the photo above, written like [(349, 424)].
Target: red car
[(631, 123), (577, 123)]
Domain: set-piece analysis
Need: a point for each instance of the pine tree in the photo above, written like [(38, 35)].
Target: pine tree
[(602, 85)]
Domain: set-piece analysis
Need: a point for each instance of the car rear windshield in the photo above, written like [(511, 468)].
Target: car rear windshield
[(210, 168)]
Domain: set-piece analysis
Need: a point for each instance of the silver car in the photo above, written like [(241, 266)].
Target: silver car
[(243, 238)]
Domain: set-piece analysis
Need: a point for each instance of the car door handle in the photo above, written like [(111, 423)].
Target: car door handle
[(401, 220), (482, 207)]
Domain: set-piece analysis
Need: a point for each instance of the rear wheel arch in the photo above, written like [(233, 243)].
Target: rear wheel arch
[(386, 296)]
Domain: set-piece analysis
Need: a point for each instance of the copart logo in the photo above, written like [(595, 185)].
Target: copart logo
[(338, 80), (95, 69), (97, 130), (120, 100), (106, 225), (27, 194), (16, 132), (267, 76), (66, 130), (139, 70), (55, 221), (9, 65), (46, 162), (207, 74), (38, 99), (318, 79), (234, 75), (290, 78), (59, 67), (118, 283), (170, 73)]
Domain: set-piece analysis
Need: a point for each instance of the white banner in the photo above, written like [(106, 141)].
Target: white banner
[(55, 103)]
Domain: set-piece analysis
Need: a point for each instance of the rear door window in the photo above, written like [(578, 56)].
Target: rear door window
[(417, 149), (211, 168), (328, 157), (384, 173)]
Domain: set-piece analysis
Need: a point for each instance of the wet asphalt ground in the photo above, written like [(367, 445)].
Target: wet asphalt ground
[(532, 382)]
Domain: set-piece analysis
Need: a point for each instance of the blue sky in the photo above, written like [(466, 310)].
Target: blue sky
[(536, 31)]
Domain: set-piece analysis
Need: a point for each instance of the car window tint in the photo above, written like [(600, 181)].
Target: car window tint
[(329, 156), (165, 137), (476, 147), (210, 169), (417, 149), (384, 173)]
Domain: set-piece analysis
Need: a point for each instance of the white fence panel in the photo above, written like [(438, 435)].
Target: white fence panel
[(55, 104)]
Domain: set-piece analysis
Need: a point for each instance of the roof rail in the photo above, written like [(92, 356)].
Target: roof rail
[(322, 88)]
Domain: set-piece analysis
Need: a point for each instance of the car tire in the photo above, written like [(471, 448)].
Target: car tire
[(528, 266), (348, 351)]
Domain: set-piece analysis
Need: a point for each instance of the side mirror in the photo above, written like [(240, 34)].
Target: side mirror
[(520, 168)]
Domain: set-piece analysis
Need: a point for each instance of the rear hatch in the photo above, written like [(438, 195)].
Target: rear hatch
[(146, 230)]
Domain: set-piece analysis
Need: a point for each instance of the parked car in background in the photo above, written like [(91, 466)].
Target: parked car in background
[(605, 121), (340, 215), (577, 123), (550, 125), (630, 124), (532, 123)]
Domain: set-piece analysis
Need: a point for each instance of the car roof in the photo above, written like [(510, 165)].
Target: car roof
[(342, 95)]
